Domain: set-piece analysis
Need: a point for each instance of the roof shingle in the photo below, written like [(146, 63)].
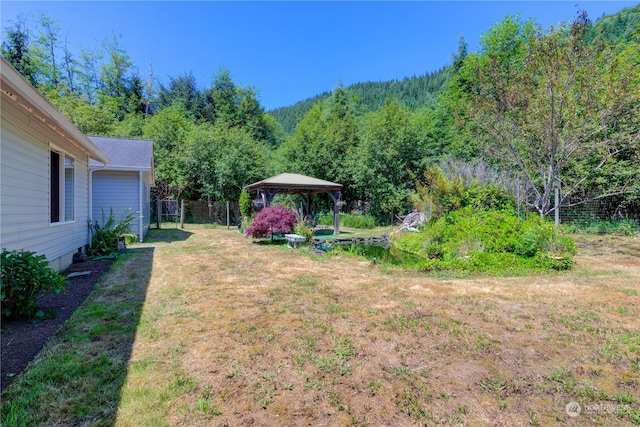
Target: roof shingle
[(125, 154)]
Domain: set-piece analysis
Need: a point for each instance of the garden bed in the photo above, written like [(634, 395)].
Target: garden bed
[(23, 339)]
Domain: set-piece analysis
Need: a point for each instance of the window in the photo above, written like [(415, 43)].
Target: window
[(62, 182), (54, 181), (69, 188)]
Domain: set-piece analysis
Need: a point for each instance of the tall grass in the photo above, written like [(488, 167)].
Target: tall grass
[(350, 220), (622, 227)]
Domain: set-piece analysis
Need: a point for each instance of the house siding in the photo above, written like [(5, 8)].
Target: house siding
[(146, 205), (117, 190), (24, 194)]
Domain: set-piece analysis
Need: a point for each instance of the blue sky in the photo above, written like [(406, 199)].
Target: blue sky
[(290, 51)]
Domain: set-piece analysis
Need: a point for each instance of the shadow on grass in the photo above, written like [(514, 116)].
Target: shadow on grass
[(269, 242), (77, 378), (167, 235)]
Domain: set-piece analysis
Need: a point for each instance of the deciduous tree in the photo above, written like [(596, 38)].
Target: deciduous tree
[(540, 103)]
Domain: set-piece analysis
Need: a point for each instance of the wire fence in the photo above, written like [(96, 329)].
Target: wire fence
[(589, 213), (608, 209), (204, 212), (196, 212)]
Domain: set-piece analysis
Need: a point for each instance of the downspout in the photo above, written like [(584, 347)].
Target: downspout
[(140, 211), (91, 171)]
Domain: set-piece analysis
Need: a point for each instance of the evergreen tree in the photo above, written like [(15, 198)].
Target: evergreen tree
[(15, 49)]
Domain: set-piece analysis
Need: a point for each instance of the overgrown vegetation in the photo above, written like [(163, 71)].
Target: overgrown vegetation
[(304, 230), (350, 220), (245, 203), (25, 277), (438, 194), (489, 241), (104, 238), (474, 228), (623, 227)]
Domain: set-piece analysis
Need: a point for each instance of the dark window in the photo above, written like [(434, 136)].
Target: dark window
[(54, 184)]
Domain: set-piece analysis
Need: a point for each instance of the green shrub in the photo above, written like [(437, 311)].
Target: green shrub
[(531, 242), (302, 230), (245, 203), (325, 219), (358, 221), (440, 195), (130, 238), (491, 241), (24, 278), (104, 239), (554, 262), (349, 220)]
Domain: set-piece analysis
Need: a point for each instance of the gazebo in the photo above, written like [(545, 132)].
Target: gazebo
[(292, 183)]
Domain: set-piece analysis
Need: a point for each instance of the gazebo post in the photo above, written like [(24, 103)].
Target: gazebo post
[(267, 197), (335, 196), (309, 199)]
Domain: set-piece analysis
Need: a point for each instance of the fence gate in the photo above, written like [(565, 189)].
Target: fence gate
[(167, 211)]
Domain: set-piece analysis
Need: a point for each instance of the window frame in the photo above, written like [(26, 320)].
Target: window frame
[(62, 215)]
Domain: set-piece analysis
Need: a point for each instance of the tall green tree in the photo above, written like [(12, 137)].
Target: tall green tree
[(322, 142), (89, 75), (15, 49), (221, 161), (117, 83), (339, 138), (296, 154), (387, 152), (70, 68), (45, 52), (184, 91), (223, 99), (168, 129), (541, 102)]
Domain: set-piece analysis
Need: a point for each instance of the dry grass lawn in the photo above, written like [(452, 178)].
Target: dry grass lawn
[(237, 333)]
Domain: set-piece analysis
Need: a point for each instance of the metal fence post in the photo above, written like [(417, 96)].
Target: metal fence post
[(182, 213), (159, 214)]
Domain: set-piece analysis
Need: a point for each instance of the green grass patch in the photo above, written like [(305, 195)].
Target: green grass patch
[(77, 378)]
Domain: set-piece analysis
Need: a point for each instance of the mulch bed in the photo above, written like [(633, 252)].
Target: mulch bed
[(22, 339)]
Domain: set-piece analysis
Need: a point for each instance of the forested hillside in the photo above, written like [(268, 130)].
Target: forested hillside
[(551, 109), (619, 28), (414, 92)]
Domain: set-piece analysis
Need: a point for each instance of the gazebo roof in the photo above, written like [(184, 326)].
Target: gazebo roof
[(294, 183)]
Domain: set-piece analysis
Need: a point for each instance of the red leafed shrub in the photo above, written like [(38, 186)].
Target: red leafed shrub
[(271, 220)]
